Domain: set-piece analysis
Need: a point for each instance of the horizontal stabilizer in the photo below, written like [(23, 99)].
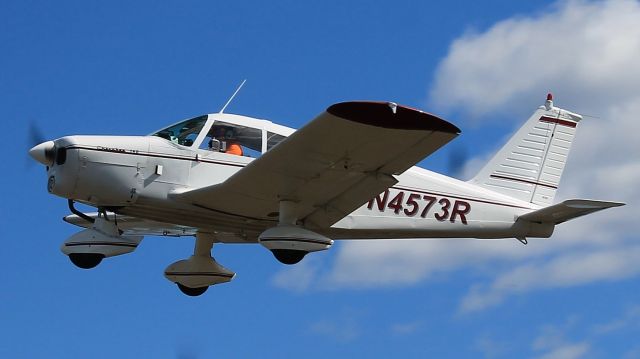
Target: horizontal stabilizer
[(570, 209)]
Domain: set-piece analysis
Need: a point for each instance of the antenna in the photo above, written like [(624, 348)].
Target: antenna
[(232, 96)]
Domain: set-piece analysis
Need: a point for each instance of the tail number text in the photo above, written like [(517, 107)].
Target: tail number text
[(414, 204)]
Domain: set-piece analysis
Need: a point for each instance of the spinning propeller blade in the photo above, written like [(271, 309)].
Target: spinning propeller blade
[(34, 138)]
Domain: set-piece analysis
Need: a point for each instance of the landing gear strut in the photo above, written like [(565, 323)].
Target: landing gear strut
[(194, 275), (288, 241), (87, 248)]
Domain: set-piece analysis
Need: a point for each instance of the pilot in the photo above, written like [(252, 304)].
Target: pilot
[(225, 136), (233, 147)]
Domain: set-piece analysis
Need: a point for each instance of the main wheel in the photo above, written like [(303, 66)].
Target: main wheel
[(192, 292), (86, 260), (288, 256)]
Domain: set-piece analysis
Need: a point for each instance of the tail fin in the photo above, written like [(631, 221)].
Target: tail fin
[(530, 165)]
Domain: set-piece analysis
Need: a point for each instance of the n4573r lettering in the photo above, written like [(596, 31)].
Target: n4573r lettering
[(413, 204)]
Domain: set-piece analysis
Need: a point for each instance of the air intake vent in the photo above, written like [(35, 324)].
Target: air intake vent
[(61, 156)]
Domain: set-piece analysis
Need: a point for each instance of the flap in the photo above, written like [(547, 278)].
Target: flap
[(331, 166)]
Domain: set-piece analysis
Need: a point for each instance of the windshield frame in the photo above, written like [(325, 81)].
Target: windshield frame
[(265, 126), (199, 136)]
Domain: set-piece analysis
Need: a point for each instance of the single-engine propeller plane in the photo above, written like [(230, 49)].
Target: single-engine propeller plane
[(347, 174)]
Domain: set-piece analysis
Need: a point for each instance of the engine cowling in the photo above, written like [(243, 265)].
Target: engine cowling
[(289, 244)]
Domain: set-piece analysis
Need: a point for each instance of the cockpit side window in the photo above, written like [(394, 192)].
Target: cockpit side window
[(233, 139), (273, 139), (183, 133)]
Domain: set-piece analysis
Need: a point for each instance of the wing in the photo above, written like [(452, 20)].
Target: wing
[(570, 209), (330, 167)]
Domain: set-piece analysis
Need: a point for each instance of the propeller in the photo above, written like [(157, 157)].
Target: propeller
[(38, 147), (34, 136)]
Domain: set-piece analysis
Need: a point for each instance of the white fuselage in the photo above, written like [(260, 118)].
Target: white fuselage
[(136, 175)]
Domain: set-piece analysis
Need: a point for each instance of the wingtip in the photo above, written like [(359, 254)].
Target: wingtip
[(391, 115)]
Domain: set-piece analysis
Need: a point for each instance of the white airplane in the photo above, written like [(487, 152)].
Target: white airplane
[(348, 174)]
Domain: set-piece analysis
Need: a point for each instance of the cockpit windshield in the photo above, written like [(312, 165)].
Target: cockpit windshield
[(185, 132)]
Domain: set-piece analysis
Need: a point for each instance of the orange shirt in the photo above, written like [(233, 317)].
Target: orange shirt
[(234, 149)]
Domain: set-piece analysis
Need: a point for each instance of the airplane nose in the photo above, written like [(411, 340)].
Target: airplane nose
[(43, 153)]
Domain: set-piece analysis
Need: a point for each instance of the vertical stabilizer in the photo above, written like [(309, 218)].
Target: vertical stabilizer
[(530, 165)]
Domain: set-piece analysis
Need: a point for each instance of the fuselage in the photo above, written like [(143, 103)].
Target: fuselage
[(136, 176), (235, 179)]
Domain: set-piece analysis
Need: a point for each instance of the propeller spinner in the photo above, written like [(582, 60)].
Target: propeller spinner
[(44, 152)]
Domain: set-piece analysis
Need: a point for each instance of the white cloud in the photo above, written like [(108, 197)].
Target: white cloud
[(563, 271), (491, 348), (297, 278), (630, 318), (552, 339), (343, 328), (567, 351), (343, 331), (587, 52)]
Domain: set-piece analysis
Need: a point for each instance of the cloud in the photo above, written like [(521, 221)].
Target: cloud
[(630, 318), (344, 331), (297, 278), (343, 328), (491, 348), (563, 271), (552, 339), (587, 52), (567, 351)]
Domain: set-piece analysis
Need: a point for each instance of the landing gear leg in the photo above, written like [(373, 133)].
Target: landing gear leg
[(203, 247), (194, 275)]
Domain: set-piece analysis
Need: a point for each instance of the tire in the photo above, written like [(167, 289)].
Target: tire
[(192, 292), (86, 260)]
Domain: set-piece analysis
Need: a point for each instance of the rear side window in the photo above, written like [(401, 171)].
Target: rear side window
[(273, 139)]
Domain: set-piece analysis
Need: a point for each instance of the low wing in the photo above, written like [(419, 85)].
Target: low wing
[(331, 166), (570, 209)]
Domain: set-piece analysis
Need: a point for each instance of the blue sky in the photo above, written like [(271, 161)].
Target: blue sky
[(122, 68)]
